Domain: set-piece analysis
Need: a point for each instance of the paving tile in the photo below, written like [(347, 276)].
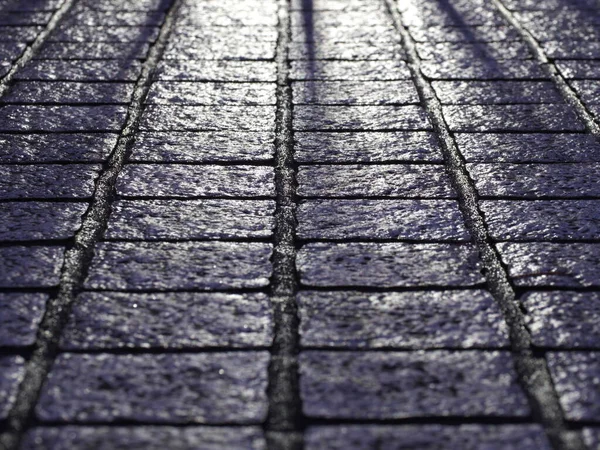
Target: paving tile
[(95, 18), (165, 388), (68, 181), (426, 437), (335, 5), (530, 147), (482, 33), (226, 17), (23, 6), (340, 118), (158, 180), (381, 219), (93, 50), (563, 319), (208, 33), (198, 118), (409, 320), (400, 180), (21, 314), (483, 69), (203, 146), (512, 118), (587, 90), (30, 118), (309, 35), (104, 34), (355, 93), (591, 437), (328, 70), (443, 51), (535, 181), (184, 265), (23, 221), (388, 265), (57, 92), (572, 49), (552, 264), (579, 69), (409, 385), (126, 5), (173, 320), (225, 48), (334, 19), (24, 18), (441, 16), (10, 51), (203, 70), (191, 219), (30, 267), (11, 373), (575, 376), (370, 51), (144, 437), (324, 147), (191, 93), (496, 92), (80, 70)]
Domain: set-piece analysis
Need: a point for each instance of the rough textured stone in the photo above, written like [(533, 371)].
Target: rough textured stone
[(189, 181), (11, 374), (311, 36), (483, 69), (104, 34), (174, 320), (96, 18), (349, 70), (21, 315), (32, 118), (412, 320), (191, 93), (20, 34), (57, 92), (443, 51), (388, 265), (381, 219), (80, 70), (125, 5), (336, 5), (369, 51), (335, 19), (390, 385), (20, 18), (226, 17), (579, 69), (192, 219), (198, 118), (179, 70), (426, 437), (552, 264), (563, 319), (355, 93), (184, 265), (575, 376), (10, 51), (207, 33), (93, 50), (24, 221), (483, 33), (439, 15), (591, 437), (48, 181), (404, 180), (223, 48), (536, 180), (496, 92), (366, 147), (564, 49), (30, 267), (542, 220), (531, 147), (587, 90), (144, 437), (512, 118), (164, 388), (203, 147)]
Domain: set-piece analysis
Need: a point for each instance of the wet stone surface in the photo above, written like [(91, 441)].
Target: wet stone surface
[(355, 93), (30, 118), (591, 437), (411, 320), (57, 92), (188, 70), (327, 70), (23, 221), (368, 51), (80, 70), (495, 50), (171, 320), (482, 33), (166, 388), (104, 34), (579, 69), (21, 314), (483, 69), (93, 50), (190, 93), (11, 374), (496, 92), (30, 267), (407, 385)]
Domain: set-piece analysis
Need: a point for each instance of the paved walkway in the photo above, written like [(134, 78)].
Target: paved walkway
[(324, 224)]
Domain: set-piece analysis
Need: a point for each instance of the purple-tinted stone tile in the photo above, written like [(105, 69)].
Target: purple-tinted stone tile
[(80, 70), (21, 314), (31, 118), (356, 118), (11, 373), (24, 221), (30, 267)]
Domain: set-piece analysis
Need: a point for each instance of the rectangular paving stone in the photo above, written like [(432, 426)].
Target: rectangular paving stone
[(60, 92), (322, 147), (575, 376), (146, 437), (400, 180), (354, 93), (30, 267), (226, 17), (10, 51), (335, 5), (182, 180), (443, 51), (381, 219), (24, 18), (126, 5), (587, 90), (328, 70), (333, 19), (19, 34), (535, 181), (207, 118), (339, 118), (12, 371), (496, 92), (208, 388), (23, 221), (225, 48), (388, 265), (529, 147), (563, 319), (202, 70), (482, 69), (542, 220), (579, 69), (591, 436), (48, 181), (572, 49), (166, 266), (309, 35), (80, 70), (96, 18), (190, 93), (21, 314), (191, 219), (465, 437), (370, 51), (180, 320), (512, 118), (104, 34), (552, 264), (409, 320), (182, 35), (93, 50), (203, 146), (32, 118), (427, 17), (482, 33), (394, 385)]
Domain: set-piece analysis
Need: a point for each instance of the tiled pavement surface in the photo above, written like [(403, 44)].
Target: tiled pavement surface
[(323, 224)]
